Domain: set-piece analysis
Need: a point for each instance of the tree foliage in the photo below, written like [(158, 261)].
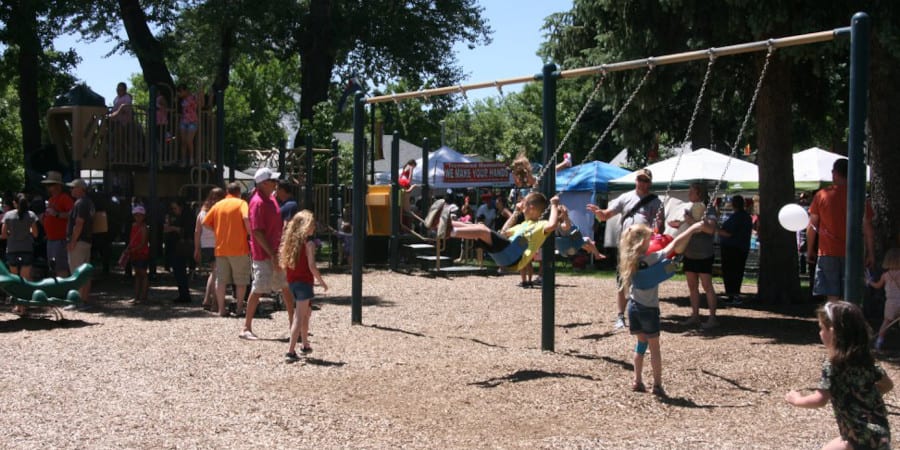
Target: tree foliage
[(802, 102)]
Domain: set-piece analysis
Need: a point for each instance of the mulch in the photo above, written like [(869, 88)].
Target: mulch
[(436, 363)]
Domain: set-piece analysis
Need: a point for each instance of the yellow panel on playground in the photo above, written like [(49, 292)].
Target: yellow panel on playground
[(378, 208)]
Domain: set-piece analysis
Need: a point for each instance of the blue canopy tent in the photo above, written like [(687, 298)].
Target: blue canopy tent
[(579, 185)]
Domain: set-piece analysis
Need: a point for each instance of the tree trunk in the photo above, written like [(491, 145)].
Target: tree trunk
[(25, 30), (317, 56), (884, 138), (147, 48), (778, 271)]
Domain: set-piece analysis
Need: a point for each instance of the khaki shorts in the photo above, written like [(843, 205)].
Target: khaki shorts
[(79, 255), (266, 279), (233, 270)]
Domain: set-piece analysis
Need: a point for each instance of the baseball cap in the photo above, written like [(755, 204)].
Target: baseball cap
[(77, 183), (263, 174), (53, 177), (644, 173), (138, 209)]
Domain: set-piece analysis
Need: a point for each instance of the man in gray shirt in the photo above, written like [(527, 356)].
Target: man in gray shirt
[(637, 207)]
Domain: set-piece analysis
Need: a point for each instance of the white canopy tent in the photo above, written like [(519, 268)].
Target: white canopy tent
[(812, 168), (701, 165)]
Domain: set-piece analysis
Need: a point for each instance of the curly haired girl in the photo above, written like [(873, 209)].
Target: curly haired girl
[(297, 256)]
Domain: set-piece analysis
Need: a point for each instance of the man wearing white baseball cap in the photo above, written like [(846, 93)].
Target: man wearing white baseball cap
[(265, 237)]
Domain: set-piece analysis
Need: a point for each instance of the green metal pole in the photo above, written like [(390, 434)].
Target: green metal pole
[(220, 138), (548, 186), (426, 188), (335, 218), (856, 171), (153, 209), (359, 206), (310, 182), (395, 200)]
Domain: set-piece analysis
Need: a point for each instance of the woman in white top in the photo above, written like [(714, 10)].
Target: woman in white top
[(205, 244)]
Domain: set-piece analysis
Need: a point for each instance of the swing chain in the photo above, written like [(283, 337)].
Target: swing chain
[(650, 67), (740, 136), (562, 143), (687, 134), (709, 66)]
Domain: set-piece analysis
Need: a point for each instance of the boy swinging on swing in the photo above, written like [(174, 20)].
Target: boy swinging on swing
[(515, 245)]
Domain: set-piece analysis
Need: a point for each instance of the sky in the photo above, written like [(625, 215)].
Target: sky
[(516, 38)]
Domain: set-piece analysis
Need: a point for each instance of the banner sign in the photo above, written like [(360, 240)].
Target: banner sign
[(480, 173)]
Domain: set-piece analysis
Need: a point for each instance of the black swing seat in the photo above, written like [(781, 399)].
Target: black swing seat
[(47, 292)]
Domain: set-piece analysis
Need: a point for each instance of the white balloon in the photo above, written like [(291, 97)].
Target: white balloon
[(793, 217)]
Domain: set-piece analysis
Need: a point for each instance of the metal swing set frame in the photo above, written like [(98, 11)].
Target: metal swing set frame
[(859, 32)]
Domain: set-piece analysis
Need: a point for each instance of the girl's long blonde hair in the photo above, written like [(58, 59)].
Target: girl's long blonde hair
[(632, 245), (294, 240)]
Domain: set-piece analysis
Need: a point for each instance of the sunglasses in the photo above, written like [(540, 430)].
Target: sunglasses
[(643, 180)]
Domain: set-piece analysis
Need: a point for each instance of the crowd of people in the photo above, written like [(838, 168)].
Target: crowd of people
[(263, 242)]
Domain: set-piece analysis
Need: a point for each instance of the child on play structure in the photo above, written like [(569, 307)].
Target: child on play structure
[(297, 256), (515, 245), (851, 380), (640, 274), (406, 175), (890, 281), (569, 238)]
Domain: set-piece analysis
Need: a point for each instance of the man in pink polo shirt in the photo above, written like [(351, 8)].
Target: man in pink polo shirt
[(265, 237)]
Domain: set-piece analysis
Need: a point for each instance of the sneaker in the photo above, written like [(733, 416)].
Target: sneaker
[(692, 321), (710, 324), (620, 322), (306, 350), (638, 386), (434, 213), (734, 300), (879, 343), (291, 357), (248, 335), (524, 284), (658, 390), (537, 281)]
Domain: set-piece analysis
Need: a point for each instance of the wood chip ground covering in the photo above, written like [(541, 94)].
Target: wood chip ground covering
[(436, 363)]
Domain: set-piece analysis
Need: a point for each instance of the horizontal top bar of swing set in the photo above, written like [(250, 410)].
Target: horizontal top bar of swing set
[(790, 41)]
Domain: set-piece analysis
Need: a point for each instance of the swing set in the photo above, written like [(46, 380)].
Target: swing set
[(858, 32)]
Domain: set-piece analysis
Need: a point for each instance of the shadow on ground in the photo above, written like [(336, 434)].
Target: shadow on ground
[(40, 324), (527, 375)]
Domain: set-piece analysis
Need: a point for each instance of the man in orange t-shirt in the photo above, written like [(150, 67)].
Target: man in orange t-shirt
[(828, 224), (230, 221), (55, 220)]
